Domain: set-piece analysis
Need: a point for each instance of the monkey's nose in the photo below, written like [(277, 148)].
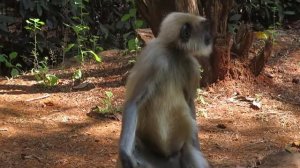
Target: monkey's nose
[(207, 38)]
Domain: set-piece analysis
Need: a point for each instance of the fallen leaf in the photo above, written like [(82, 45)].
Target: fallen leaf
[(203, 113), (296, 144), (256, 104), (49, 103)]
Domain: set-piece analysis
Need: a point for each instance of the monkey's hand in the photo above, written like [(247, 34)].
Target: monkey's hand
[(126, 160)]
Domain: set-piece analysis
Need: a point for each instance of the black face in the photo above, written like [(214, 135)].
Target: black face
[(204, 32), (185, 32)]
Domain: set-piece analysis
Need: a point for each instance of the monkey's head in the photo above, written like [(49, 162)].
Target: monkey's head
[(187, 32)]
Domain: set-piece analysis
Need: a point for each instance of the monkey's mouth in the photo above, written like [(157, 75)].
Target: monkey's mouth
[(207, 40), (205, 47), (205, 51)]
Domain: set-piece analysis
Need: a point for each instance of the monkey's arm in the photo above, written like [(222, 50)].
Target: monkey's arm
[(195, 139), (189, 97), (140, 85), (129, 124)]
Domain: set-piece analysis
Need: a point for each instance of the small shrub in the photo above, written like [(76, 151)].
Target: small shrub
[(108, 105), (8, 61)]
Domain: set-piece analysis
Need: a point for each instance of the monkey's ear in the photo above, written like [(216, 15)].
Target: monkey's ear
[(185, 32)]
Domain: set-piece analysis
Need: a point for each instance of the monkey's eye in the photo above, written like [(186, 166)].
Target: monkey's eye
[(185, 32)]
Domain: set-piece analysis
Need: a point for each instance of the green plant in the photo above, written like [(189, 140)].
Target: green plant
[(8, 62), (133, 44), (131, 39), (41, 73), (200, 99), (51, 80), (107, 103), (81, 30), (263, 14), (93, 41), (34, 25), (77, 75), (40, 69), (108, 100)]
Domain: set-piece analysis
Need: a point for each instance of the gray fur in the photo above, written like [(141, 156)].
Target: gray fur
[(159, 129)]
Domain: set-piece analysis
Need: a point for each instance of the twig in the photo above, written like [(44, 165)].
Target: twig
[(38, 98)]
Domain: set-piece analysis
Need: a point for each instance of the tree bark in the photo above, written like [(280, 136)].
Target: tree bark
[(230, 56), (153, 11), (217, 12)]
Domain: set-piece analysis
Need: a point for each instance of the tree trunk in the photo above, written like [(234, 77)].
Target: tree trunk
[(217, 12), (231, 52), (153, 11)]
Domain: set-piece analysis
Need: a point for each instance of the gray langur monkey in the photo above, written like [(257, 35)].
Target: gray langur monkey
[(159, 129)]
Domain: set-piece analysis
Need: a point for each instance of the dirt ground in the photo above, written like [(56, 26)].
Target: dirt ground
[(54, 126)]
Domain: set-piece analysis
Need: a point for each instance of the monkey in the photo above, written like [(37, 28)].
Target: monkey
[(159, 128)]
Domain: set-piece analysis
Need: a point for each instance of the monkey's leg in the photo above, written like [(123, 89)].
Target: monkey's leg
[(191, 157), (147, 159)]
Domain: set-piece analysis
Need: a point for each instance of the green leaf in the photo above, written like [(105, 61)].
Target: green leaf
[(125, 17), (69, 47), (51, 80), (138, 24), (34, 19), (261, 35), (18, 65), (132, 12), (28, 28), (131, 44), (41, 23), (76, 18), (14, 72), (3, 58), (13, 55), (109, 94), (99, 49), (8, 64), (67, 25), (29, 21), (96, 57), (77, 74)]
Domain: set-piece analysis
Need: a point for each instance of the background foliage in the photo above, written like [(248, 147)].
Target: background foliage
[(265, 13), (103, 24)]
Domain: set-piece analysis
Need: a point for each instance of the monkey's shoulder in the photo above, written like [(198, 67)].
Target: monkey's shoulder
[(155, 53)]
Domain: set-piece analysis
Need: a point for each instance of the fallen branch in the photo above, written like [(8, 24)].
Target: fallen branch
[(38, 98)]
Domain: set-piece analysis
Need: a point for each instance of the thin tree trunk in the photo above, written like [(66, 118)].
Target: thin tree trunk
[(153, 11)]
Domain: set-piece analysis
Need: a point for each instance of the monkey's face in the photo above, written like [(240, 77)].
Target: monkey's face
[(187, 32)]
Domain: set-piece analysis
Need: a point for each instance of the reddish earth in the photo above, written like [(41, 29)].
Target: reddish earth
[(54, 127)]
